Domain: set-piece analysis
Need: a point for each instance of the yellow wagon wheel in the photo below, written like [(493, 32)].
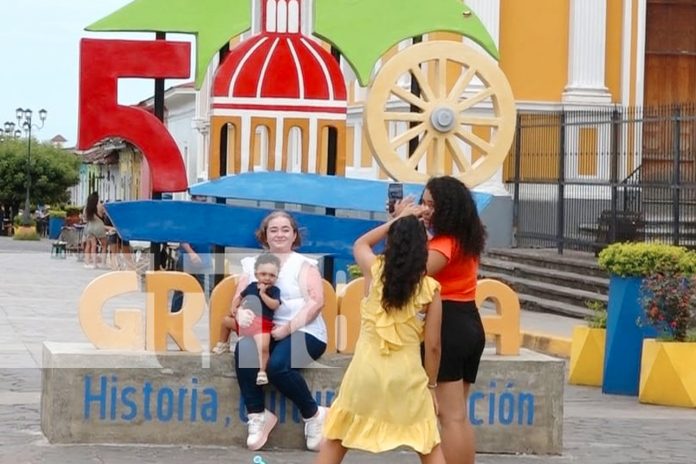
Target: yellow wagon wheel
[(444, 118)]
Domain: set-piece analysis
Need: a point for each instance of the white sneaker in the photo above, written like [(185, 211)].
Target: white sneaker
[(221, 347), (313, 429), (259, 427), (261, 378)]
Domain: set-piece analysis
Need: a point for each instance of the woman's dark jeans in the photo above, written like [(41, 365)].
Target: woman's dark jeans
[(287, 356)]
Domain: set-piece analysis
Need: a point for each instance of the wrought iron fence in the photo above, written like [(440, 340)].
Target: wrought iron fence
[(582, 179)]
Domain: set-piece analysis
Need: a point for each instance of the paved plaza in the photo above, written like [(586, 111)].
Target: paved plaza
[(38, 302)]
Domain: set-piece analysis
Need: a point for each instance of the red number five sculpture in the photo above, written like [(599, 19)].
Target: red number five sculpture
[(102, 62)]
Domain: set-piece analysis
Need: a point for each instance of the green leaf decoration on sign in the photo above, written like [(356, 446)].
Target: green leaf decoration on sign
[(213, 22), (363, 30)]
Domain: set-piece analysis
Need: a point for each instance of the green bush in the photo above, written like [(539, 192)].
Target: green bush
[(638, 259), (598, 318), (19, 220), (354, 271), (57, 213)]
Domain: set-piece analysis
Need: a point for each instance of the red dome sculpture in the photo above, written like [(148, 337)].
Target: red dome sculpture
[(284, 71)]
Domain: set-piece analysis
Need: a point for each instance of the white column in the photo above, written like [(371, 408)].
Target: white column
[(282, 16), (586, 53), (488, 11), (306, 18), (293, 16), (271, 16), (640, 52)]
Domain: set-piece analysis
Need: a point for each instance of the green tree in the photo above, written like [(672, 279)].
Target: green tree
[(53, 171)]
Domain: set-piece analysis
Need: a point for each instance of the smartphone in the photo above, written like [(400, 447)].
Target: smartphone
[(394, 192)]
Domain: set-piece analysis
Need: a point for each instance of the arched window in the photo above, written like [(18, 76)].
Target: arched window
[(261, 148), (231, 157), (295, 149)]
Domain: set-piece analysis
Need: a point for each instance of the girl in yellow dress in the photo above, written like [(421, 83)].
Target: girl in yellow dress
[(386, 399)]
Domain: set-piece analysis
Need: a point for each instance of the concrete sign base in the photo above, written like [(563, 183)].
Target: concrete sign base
[(102, 396)]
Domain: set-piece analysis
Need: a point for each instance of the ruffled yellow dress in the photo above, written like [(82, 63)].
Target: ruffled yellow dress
[(383, 401)]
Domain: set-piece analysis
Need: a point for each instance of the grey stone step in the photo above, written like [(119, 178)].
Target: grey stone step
[(570, 261), (543, 305), (545, 290), (585, 282)]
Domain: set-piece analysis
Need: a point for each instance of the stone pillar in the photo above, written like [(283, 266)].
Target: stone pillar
[(586, 53)]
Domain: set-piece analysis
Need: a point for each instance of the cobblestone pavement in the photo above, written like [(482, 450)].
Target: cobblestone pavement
[(38, 298)]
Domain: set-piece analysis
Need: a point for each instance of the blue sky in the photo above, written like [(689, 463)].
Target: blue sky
[(40, 43)]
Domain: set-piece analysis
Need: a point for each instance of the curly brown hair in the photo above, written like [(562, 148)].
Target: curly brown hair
[(455, 214), (405, 259)]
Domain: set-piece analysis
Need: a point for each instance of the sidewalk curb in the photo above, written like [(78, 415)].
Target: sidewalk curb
[(552, 345)]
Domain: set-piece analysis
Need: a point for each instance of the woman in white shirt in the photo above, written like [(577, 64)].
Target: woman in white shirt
[(298, 336)]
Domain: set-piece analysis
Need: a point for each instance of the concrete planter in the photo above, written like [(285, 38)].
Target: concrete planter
[(587, 356), (624, 337), (24, 230), (668, 374)]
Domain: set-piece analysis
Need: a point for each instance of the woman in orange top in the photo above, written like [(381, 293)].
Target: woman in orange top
[(453, 258), (458, 239)]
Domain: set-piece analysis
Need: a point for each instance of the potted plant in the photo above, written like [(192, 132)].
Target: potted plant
[(24, 231), (72, 215), (628, 264), (587, 347), (668, 362), (56, 221)]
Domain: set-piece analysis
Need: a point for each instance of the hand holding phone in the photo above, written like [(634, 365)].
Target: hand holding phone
[(395, 192)]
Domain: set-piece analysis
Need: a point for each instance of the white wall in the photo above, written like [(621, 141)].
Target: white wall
[(180, 114)]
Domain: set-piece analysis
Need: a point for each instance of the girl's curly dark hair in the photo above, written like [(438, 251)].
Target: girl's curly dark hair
[(405, 259), (455, 214)]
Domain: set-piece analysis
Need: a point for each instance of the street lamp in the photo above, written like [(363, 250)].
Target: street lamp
[(24, 121), (9, 131)]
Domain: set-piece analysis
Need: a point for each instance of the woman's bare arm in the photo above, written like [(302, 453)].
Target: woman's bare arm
[(436, 262), (433, 351)]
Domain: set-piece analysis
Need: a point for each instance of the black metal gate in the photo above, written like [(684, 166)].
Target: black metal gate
[(581, 179)]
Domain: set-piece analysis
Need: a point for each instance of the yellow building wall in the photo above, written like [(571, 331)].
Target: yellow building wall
[(534, 47), (541, 144), (588, 157), (613, 49)]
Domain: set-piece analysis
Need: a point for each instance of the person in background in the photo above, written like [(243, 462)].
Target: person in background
[(118, 250), (194, 259), (95, 230)]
